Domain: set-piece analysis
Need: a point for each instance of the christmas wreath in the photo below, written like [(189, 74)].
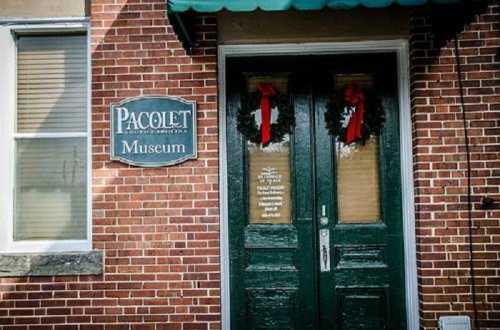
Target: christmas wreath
[(265, 98), (354, 115)]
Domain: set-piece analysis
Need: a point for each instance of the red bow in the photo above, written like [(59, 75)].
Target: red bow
[(266, 91), (354, 97)]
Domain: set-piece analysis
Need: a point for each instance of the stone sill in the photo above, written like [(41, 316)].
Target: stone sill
[(51, 264)]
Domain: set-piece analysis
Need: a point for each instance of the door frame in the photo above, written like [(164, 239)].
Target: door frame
[(397, 46)]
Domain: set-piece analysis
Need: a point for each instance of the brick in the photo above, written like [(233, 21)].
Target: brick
[(436, 256)]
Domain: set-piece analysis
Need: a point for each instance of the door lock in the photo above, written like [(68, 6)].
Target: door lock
[(324, 250)]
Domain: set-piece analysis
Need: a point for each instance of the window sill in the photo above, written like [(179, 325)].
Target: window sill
[(51, 264)]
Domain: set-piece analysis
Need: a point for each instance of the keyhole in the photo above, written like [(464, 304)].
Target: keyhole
[(325, 256)]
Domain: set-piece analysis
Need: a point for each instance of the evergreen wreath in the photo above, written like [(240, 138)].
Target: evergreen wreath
[(373, 121), (247, 125)]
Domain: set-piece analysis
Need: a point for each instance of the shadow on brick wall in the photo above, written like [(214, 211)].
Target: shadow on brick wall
[(446, 23)]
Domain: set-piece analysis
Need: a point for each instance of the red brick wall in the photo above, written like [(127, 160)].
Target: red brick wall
[(159, 228), (440, 168)]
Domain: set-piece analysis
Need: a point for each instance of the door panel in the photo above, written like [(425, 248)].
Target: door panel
[(332, 262), (364, 309), (366, 238), (269, 257)]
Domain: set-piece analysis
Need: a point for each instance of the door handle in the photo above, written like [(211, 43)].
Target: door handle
[(323, 220), (324, 250)]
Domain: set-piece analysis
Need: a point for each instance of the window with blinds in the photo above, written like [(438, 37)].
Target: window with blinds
[(51, 138)]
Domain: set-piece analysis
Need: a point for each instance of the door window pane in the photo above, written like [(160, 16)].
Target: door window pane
[(269, 167), (269, 183), (358, 186)]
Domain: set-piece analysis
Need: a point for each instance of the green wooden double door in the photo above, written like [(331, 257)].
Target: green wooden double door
[(315, 225)]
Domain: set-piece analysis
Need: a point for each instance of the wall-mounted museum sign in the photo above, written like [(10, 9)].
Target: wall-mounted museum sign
[(153, 131)]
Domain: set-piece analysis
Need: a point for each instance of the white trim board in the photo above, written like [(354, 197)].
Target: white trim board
[(398, 46)]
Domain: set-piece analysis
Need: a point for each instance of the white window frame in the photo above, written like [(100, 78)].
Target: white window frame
[(8, 105)]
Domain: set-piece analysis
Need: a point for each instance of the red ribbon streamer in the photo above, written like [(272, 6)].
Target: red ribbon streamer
[(354, 97), (266, 91)]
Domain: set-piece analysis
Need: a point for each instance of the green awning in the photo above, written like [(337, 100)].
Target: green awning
[(180, 12), (210, 6)]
